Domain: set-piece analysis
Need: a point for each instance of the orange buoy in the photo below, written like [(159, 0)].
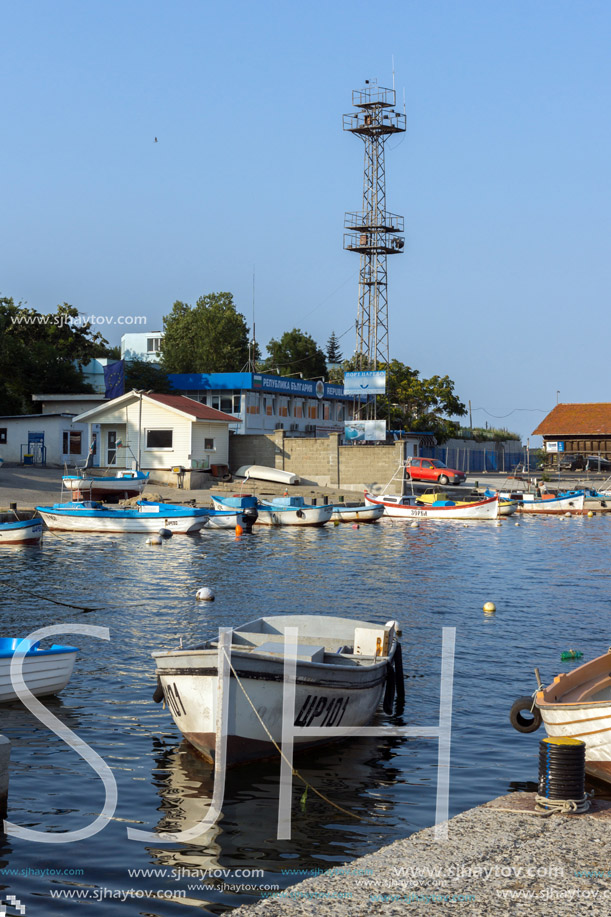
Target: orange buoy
[(239, 530)]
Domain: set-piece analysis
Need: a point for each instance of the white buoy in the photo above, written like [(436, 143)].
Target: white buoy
[(164, 533), (568, 515), (498, 522), (204, 594), (489, 608), (154, 539), (517, 523), (414, 525)]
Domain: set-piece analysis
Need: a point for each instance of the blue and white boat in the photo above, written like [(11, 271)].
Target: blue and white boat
[(280, 511), (145, 517), (14, 530), (228, 512), (122, 485), (44, 671)]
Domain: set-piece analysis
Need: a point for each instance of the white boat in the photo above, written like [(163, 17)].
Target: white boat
[(90, 516), (122, 485), (405, 507), (576, 705), (44, 671), (342, 672), (292, 511), (240, 509), (345, 512), (548, 504), (14, 530), (263, 473)]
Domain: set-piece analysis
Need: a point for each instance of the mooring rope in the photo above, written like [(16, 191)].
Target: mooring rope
[(575, 806), (283, 756), (46, 598)]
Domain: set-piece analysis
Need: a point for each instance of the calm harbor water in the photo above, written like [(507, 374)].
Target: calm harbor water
[(549, 579)]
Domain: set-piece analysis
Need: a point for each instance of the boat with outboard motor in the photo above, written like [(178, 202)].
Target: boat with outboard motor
[(344, 668), (145, 517)]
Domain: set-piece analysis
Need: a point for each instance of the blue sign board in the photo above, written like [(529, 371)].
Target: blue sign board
[(261, 382)]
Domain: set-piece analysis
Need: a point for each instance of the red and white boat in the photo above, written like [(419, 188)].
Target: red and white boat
[(405, 507)]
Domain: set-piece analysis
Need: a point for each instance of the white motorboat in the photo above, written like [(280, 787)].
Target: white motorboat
[(406, 507), (90, 516), (343, 669), (264, 473), (292, 511), (122, 485), (346, 512), (14, 529), (45, 671)]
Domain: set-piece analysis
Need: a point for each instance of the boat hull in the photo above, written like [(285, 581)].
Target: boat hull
[(28, 531), (44, 674), (311, 515), (327, 694), (578, 706), (410, 509), (125, 485), (363, 513), (136, 520), (553, 506), (263, 473)]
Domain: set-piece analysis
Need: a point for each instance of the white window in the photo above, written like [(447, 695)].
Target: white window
[(159, 439), (153, 345)]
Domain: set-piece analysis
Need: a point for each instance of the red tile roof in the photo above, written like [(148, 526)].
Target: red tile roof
[(577, 420), (194, 408)]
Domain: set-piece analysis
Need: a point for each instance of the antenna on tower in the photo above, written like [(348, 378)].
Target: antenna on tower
[(393, 72), (252, 344)]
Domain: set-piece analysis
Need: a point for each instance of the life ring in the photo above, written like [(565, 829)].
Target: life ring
[(528, 723)]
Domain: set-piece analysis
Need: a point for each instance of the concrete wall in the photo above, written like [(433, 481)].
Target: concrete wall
[(321, 460)]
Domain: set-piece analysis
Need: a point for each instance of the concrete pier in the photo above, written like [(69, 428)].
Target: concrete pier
[(500, 858), (5, 752)]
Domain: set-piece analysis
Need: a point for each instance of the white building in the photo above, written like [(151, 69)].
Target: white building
[(145, 346), (158, 433), (262, 403), (43, 439)]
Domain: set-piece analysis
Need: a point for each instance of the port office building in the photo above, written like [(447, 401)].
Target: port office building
[(265, 403)]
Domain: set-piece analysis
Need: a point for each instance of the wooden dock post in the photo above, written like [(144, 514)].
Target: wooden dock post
[(5, 753)]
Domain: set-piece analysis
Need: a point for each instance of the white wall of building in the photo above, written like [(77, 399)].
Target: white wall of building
[(65, 442), (142, 346)]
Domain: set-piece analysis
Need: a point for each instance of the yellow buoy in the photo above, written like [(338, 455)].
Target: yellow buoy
[(489, 608), (590, 514)]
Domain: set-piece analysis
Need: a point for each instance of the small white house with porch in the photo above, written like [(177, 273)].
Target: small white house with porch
[(159, 433)]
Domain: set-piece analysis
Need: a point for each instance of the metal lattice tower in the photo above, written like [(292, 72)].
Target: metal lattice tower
[(373, 231)]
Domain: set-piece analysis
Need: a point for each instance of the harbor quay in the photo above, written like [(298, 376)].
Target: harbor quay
[(503, 857)]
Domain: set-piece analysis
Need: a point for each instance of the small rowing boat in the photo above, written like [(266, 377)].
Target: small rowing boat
[(44, 671), (292, 511), (548, 504), (576, 705), (344, 667), (361, 512), (14, 529), (264, 473)]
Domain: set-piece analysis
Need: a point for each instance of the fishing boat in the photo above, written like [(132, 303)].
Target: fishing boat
[(45, 671), (228, 517), (15, 528), (406, 507), (548, 504), (122, 485), (576, 705), (342, 674), (91, 516), (264, 473), (506, 507), (292, 511), (359, 512)]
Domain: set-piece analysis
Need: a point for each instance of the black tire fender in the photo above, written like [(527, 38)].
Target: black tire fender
[(520, 715)]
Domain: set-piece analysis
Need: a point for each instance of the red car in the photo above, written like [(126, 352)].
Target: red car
[(427, 469)]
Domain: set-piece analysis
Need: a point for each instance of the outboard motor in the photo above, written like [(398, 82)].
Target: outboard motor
[(249, 517)]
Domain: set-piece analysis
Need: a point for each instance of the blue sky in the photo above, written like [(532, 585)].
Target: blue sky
[(503, 176)]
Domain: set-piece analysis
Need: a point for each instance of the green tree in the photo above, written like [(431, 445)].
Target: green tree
[(142, 374), (295, 352), (209, 337), (42, 353), (412, 403), (334, 354)]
